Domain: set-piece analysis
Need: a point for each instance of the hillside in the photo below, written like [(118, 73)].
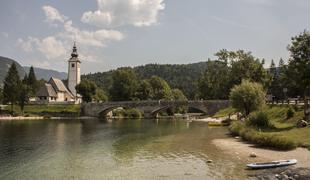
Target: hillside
[(46, 74), (5, 64), (182, 76)]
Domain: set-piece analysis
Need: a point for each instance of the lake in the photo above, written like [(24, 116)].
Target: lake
[(122, 149)]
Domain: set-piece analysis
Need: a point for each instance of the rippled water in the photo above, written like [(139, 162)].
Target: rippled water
[(124, 149)]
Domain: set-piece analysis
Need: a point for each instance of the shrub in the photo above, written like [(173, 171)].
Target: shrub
[(290, 113), (261, 139), (259, 120), (247, 97)]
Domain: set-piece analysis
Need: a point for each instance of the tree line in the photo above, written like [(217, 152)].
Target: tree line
[(17, 91)]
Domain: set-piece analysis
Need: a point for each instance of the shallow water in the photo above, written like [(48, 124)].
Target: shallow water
[(123, 149)]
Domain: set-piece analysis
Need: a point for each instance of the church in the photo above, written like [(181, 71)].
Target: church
[(55, 91)]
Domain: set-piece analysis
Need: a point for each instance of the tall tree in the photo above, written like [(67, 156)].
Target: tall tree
[(32, 81), (11, 88), (124, 85), (87, 89), (23, 96), (144, 91), (214, 83), (160, 88), (1, 95), (100, 95), (299, 65)]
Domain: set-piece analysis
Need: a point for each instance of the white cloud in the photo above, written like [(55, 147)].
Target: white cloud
[(53, 16), (91, 38), (49, 46), (114, 13), (27, 45)]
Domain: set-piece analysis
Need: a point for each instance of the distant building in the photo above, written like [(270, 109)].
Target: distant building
[(55, 90)]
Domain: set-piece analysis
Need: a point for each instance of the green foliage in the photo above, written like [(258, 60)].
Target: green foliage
[(224, 112), (177, 94), (32, 82), (259, 119), (124, 85), (290, 113), (160, 88), (229, 70), (39, 109), (299, 64), (127, 113), (247, 97), (23, 96), (1, 95), (144, 91), (87, 89), (260, 138), (214, 83), (181, 76), (100, 95), (11, 88)]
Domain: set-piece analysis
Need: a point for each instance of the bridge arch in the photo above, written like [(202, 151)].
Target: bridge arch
[(104, 112)]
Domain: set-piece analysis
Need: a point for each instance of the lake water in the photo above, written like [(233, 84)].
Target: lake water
[(123, 149)]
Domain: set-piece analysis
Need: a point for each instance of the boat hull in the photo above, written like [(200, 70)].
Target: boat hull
[(272, 164)]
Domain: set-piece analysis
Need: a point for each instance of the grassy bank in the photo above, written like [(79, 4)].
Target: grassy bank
[(283, 133), (224, 112), (38, 110)]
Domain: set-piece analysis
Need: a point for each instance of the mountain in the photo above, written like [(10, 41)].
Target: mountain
[(46, 74), (182, 76), (5, 64)]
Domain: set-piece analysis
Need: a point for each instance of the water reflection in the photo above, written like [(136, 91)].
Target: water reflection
[(123, 149)]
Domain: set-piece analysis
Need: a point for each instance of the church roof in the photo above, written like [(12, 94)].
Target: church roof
[(47, 91), (59, 86)]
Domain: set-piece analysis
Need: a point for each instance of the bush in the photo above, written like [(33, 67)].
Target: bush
[(290, 113), (247, 97), (261, 139), (259, 120)]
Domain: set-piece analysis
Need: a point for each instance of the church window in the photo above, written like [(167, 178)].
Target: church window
[(72, 65)]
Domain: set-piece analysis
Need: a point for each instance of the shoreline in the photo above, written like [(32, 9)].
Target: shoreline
[(241, 150), (42, 118)]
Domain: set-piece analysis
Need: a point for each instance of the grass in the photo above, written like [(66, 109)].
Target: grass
[(224, 112), (284, 134), (39, 109)]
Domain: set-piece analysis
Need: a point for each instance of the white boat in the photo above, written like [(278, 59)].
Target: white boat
[(272, 164)]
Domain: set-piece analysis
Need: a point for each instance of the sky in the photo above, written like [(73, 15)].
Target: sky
[(117, 33)]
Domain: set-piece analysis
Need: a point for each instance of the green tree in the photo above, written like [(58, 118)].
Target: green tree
[(100, 95), (11, 88), (246, 66), (160, 88), (1, 95), (124, 85), (23, 96), (87, 89), (177, 94), (32, 81), (214, 83), (299, 65), (144, 91), (247, 97)]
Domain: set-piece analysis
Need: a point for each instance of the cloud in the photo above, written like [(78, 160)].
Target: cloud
[(97, 38), (49, 46), (53, 16), (259, 2), (113, 13)]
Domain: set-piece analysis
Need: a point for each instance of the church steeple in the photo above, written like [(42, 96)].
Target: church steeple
[(74, 51)]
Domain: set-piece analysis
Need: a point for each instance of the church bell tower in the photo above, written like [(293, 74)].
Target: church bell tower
[(74, 71)]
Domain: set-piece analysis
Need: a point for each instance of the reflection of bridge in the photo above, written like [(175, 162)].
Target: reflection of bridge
[(151, 108)]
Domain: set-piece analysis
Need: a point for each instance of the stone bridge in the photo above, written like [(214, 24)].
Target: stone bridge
[(152, 108)]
